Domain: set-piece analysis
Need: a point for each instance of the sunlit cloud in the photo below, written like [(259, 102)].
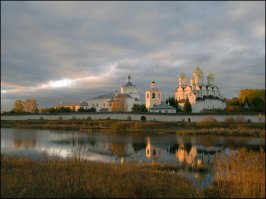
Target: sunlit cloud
[(61, 83)]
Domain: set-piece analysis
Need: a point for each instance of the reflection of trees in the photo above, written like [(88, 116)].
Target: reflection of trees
[(138, 146), (172, 149), (24, 140)]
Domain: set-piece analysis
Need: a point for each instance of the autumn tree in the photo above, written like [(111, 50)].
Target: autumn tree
[(251, 94), (254, 98), (18, 106), (119, 103), (30, 105)]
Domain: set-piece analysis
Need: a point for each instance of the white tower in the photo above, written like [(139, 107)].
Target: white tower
[(153, 96)]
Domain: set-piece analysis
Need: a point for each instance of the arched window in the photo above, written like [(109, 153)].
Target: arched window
[(148, 95), (153, 95), (143, 118)]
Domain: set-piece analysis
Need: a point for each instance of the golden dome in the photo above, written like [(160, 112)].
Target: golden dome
[(182, 76), (198, 71), (211, 75)]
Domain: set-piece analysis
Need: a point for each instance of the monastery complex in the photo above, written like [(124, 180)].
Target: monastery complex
[(202, 96)]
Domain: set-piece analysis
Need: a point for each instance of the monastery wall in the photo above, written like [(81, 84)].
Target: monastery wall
[(137, 116)]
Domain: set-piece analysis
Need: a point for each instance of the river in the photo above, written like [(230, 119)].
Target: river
[(188, 153)]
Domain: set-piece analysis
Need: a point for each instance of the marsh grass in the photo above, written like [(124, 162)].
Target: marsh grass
[(77, 178), (241, 175)]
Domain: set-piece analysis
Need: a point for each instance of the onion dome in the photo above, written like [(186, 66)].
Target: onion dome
[(198, 71), (182, 76), (210, 75)]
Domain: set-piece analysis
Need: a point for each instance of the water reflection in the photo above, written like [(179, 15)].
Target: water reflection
[(194, 156), (152, 151), (27, 141)]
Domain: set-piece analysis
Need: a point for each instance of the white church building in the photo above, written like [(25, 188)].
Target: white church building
[(201, 95), (103, 103), (130, 93)]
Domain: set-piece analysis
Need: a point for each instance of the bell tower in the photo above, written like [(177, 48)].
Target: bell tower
[(153, 96)]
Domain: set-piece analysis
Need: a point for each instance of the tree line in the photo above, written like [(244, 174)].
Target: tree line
[(249, 100)]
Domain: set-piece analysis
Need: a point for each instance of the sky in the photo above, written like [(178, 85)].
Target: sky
[(71, 51)]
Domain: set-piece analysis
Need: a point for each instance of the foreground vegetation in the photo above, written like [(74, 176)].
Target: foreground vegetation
[(239, 175), (77, 178)]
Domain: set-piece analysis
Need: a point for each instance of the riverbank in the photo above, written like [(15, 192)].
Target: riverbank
[(75, 178), (207, 127)]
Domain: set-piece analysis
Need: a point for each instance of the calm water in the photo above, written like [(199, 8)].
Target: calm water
[(187, 152)]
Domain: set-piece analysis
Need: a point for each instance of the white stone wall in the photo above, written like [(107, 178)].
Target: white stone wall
[(162, 111), (208, 104), (149, 117)]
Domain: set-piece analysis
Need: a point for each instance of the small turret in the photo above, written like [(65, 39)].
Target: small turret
[(210, 79), (153, 84), (182, 80), (197, 76), (129, 78)]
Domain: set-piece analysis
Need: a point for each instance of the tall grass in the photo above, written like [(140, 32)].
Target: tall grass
[(77, 178), (241, 175)]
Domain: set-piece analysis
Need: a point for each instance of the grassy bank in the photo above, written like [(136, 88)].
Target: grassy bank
[(241, 175), (75, 178), (207, 127)]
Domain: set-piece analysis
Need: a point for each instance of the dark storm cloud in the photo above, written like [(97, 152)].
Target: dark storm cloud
[(92, 46)]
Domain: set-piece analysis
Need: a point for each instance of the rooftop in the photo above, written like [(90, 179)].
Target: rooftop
[(162, 106)]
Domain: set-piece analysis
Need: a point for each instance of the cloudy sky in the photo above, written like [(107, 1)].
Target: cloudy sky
[(71, 51)]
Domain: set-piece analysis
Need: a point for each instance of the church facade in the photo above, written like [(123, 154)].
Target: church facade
[(129, 92), (202, 95)]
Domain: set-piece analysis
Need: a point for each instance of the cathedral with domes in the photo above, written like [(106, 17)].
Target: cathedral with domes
[(202, 95)]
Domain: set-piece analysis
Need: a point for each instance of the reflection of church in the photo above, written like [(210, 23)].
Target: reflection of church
[(152, 151), (197, 155)]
